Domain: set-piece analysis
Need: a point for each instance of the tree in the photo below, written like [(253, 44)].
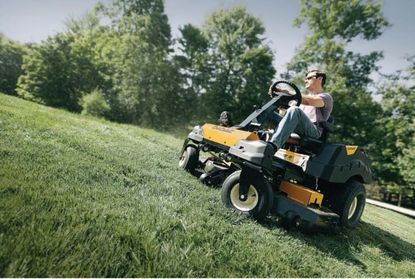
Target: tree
[(406, 161), (146, 81), (127, 60), (193, 63), (95, 104), (11, 58), (242, 64), (398, 103), (226, 64), (66, 66), (46, 71)]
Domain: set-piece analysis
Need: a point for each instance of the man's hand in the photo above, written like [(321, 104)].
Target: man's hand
[(276, 89), (282, 111)]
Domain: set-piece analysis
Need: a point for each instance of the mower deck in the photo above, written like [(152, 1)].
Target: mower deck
[(303, 216)]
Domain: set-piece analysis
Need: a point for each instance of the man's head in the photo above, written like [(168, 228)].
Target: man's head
[(315, 80)]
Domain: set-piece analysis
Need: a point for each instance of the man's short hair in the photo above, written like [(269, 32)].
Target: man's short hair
[(319, 74)]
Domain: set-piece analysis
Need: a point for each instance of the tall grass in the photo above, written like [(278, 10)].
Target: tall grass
[(83, 197)]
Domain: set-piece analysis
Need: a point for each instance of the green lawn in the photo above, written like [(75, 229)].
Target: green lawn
[(83, 197)]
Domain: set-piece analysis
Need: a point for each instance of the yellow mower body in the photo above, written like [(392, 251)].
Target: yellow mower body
[(301, 194), (226, 136)]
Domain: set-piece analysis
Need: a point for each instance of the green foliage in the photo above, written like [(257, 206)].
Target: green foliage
[(226, 63), (127, 61), (57, 71), (406, 161), (241, 63), (145, 80), (398, 102), (342, 20), (223, 66), (46, 69), (194, 67), (11, 59), (95, 104), (143, 18), (83, 197)]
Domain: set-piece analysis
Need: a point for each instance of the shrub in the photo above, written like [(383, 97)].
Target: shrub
[(95, 104)]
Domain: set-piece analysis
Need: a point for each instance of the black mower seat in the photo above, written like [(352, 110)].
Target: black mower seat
[(328, 126), (294, 139)]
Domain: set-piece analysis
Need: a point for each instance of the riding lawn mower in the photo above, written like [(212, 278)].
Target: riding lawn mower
[(307, 183)]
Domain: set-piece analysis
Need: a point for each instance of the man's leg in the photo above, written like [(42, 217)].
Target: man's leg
[(294, 120), (275, 118)]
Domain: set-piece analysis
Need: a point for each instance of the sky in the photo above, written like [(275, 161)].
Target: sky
[(35, 20)]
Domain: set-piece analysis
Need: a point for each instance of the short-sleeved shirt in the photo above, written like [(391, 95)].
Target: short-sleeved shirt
[(316, 114)]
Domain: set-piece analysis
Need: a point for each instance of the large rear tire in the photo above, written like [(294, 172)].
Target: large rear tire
[(350, 203), (259, 201), (189, 159)]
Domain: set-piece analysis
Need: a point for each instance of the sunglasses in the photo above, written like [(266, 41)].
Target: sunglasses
[(308, 78)]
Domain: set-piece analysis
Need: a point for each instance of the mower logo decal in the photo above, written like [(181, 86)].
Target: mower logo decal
[(223, 129), (351, 149)]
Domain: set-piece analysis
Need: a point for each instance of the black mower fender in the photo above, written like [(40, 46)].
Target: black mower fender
[(338, 163), (188, 142), (195, 137)]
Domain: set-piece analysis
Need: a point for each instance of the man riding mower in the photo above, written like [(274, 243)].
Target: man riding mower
[(307, 182)]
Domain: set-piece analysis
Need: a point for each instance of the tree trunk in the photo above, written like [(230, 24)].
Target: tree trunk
[(399, 198)]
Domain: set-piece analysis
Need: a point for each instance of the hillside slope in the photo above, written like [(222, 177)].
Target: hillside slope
[(83, 197)]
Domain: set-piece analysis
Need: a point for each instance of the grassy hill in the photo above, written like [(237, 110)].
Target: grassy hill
[(83, 197)]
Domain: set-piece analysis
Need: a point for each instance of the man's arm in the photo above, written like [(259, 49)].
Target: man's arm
[(310, 100)]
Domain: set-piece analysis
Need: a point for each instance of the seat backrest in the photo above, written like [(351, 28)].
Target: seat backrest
[(225, 119), (328, 126)]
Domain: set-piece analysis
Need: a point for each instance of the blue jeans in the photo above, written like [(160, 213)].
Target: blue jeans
[(294, 121)]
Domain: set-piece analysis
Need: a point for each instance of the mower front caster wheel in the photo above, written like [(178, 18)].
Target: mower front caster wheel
[(259, 200), (189, 159)]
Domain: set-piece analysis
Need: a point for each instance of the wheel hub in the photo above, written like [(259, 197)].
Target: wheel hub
[(249, 202)]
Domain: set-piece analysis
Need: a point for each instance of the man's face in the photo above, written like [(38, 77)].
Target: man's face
[(311, 81)]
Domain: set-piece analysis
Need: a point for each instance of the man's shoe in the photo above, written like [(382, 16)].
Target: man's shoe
[(274, 146)]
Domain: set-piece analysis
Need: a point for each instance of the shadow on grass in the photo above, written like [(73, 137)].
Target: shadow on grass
[(348, 245), (344, 244)]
